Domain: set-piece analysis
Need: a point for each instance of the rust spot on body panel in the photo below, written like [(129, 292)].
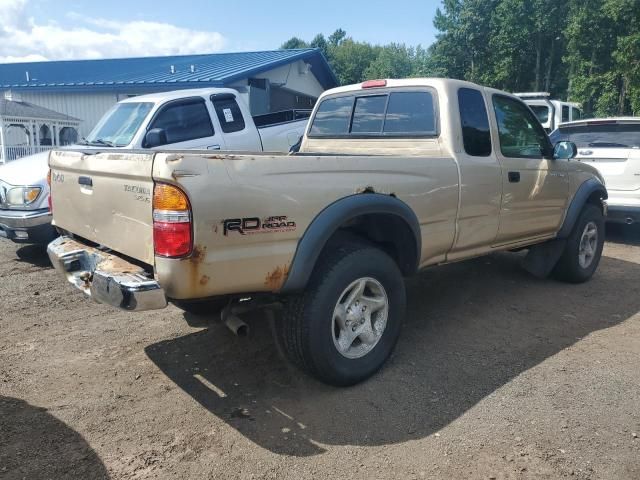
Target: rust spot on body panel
[(198, 255), (276, 278), (204, 280)]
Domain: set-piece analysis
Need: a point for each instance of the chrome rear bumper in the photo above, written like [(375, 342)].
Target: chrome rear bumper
[(105, 277)]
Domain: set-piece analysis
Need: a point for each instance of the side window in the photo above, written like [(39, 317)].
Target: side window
[(410, 113), (476, 134), (576, 114), (332, 117), (184, 120), (565, 113), (368, 114), (228, 113), (519, 131)]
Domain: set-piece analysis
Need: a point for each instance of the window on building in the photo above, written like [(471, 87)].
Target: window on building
[(45, 135), (68, 136), (476, 135)]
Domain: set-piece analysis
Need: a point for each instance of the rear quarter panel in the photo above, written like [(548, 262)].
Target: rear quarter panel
[(294, 190)]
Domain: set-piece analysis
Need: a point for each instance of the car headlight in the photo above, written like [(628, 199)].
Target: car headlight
[(19, 196)]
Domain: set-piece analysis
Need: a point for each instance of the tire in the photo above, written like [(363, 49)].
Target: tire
[(571, 267), (210, 306), (318, 341)]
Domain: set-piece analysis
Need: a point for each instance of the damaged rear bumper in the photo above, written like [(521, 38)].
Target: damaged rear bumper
[(106, 277)]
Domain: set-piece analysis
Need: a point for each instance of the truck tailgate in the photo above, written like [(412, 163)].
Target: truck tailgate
[(106, 198)]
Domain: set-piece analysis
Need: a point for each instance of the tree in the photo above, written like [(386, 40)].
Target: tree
[(293, 43)]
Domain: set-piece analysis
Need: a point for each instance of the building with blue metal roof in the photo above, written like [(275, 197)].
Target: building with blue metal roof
[(269, 80)]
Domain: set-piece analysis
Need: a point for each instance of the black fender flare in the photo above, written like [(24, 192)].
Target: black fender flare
[(329, 220), (578, 202)]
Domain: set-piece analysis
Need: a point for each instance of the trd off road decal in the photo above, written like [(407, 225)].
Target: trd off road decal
[(251, 225)]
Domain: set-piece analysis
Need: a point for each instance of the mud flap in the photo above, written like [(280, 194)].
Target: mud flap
[(543, 257)]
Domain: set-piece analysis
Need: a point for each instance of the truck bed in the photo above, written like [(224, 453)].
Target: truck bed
[(249, 210)]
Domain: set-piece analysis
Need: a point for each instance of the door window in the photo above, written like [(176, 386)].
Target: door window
[(519, 131), (228, 113), (184, 120), (476, 135), (565, 113)]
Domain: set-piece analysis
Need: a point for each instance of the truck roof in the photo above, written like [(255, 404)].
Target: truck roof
[(176, 94), (407, 82)]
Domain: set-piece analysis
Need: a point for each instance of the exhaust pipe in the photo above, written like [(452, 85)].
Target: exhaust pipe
[(234, 323), (237, 326)]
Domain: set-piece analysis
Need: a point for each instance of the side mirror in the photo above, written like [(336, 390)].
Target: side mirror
[(155, 137), (564, 150)]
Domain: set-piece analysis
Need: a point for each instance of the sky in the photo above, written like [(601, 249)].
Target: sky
[(32, 30)]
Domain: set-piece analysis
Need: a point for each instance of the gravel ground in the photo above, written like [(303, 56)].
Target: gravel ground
[(496, 375)]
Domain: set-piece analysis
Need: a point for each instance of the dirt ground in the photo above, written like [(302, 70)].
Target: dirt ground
[(496, 375)]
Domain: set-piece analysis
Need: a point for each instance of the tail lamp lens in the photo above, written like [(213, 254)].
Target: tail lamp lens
[(172, 235)]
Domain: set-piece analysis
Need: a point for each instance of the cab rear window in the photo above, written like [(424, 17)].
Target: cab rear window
[(402, 113)]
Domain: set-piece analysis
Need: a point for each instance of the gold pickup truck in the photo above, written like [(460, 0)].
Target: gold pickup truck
[(391, 177)]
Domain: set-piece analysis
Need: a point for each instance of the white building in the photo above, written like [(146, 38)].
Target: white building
[(85, 89)]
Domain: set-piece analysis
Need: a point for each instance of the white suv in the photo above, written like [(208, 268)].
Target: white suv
[(612, 145)]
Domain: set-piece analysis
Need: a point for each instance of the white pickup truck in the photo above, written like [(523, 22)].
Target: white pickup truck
[(208, 119), (551, 113)]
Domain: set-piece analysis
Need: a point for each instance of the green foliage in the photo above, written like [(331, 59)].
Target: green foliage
[(586, 51), (354, 62)]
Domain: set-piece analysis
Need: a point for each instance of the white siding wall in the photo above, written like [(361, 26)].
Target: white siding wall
[(293, 77), (88, 107)]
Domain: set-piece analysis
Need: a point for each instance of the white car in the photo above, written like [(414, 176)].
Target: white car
[(612, 145), (203, 119)]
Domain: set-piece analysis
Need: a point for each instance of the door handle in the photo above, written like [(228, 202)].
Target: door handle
[(514, 177), (86, 181), (213, 147)]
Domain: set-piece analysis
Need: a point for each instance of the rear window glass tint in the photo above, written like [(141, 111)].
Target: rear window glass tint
[(332, 117), (410, 113), (368, 115), (613, 135), (229, 114)]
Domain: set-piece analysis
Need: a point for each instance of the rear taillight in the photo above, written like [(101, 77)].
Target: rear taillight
[(172, 235), (49, 197)]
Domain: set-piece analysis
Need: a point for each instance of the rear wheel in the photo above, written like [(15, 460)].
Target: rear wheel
[(582, 253), (344, 326)]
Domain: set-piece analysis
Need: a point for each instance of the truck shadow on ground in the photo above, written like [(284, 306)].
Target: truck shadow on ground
[(34, 254), (470, 329), (35, 444), (624, 234)]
